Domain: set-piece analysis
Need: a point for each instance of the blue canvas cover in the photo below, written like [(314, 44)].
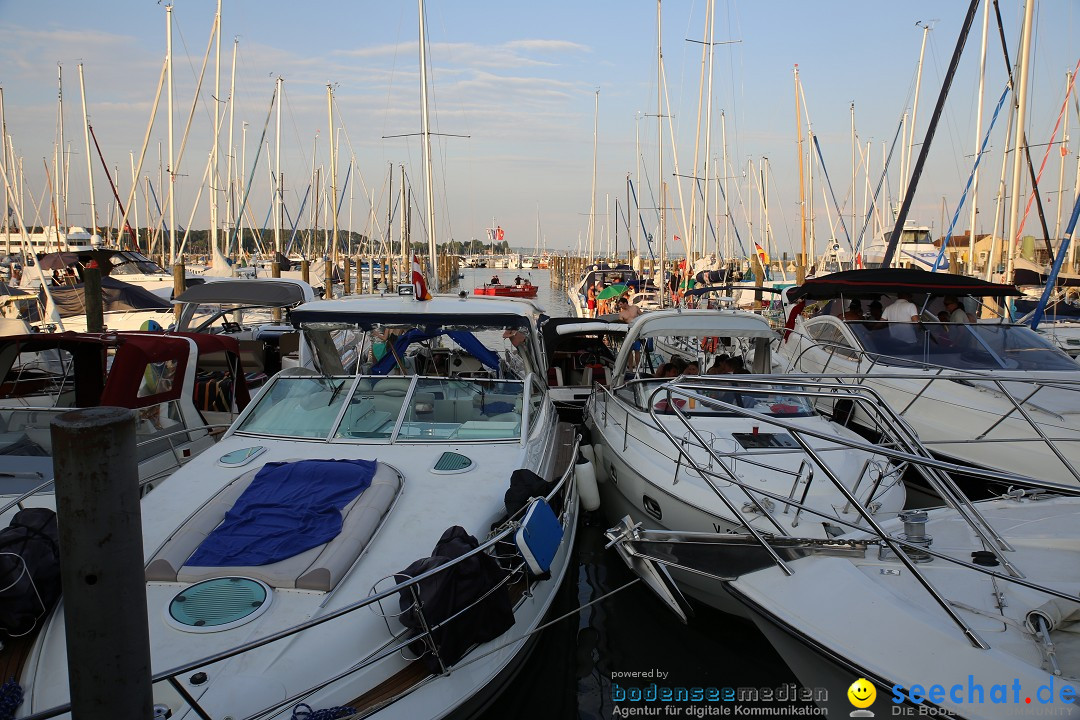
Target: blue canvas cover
[(464, 338), (288, 508)]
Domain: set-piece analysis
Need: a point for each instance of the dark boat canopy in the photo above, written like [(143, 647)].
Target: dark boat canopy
[(70, 300), (889, 281), (260, 293)]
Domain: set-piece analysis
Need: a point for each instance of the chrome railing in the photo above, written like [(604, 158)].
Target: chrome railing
[(901, 445), (1018, 393)]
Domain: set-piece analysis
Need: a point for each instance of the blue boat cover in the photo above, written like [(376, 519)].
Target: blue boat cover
[(288, 508), (469, 342)]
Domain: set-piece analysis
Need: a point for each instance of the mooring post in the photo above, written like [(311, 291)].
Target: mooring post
[(101, 563), (95, 314)]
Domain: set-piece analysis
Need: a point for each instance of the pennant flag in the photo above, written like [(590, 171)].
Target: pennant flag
[(764, 256), (499, 235), (420, 291)]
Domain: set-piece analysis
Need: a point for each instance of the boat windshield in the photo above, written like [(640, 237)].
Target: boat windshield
[(962, 346), (776, 403), (392, 409)]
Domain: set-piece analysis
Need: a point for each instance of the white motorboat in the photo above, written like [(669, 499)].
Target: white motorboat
[(968, 610), (916, 249), (991, 393), (421, 440), (602, 273), (675, 454), (579, 352)]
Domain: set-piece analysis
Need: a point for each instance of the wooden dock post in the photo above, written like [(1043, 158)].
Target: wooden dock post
[(305, 271), (347, 277), (95, 313), (275, 271), (101, 563), (328, 280), (177, 285)]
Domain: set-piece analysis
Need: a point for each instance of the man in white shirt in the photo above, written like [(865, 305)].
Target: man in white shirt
[(901, 315)]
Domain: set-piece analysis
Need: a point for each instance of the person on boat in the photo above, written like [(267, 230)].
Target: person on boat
[(517, 280), (854, 311), (721, 366), (590, 300), (901, 316), (956, 311), (526, 282), (627, 312), (495, 280), (876, 320), (516, 337), (692, 369)]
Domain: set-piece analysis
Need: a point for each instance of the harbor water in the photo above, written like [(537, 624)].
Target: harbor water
[(623, 637)]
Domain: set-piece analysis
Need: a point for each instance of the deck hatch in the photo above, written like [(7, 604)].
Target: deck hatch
[(218, 604)]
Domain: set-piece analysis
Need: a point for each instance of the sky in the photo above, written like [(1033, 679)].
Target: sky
[(515, 89)]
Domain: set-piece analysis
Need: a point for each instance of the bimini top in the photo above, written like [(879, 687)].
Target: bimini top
[(266, 292), (368, 311), (889, 281), (693, 323)]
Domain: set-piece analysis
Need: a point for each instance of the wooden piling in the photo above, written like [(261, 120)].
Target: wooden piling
[(95, 313), (177, 285), (101, 563), (328, 280), (305, 271)]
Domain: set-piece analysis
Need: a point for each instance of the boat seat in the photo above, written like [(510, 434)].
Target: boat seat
[(319, 568)]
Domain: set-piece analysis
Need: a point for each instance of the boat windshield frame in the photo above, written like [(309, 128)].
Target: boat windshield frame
[(643, 390), (388, 410), (962, 346)]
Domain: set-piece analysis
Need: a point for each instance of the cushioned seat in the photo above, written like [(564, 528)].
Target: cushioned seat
[(319, 568)]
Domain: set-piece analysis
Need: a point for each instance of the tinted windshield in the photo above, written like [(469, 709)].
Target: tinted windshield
[(964, 346), (374, 407), (728, 392)]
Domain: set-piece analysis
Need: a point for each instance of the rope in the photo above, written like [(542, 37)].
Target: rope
[(11, 697), (303, 711)]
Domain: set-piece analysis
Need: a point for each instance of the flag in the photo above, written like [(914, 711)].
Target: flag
[(499, 234), (764, 256), (420, 291)]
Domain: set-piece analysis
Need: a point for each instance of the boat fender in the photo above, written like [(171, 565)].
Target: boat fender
[(585, 479), (587, 451), (598, 458)]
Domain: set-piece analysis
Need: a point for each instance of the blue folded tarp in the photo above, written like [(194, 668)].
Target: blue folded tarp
[(288, 508)]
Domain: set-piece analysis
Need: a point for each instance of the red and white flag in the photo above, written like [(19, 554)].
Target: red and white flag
[(420, 291)]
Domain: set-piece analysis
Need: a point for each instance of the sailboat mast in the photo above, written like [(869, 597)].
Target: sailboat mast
[(802, 182), (592, 203), (708, 135), (428, 190), (172, 155), (978, 142), (60, 162), (89, 158), (277, 169), (1021, 136), (660, 149), (229, 155), (217, 134), (333, 173), (7, 207), (906, 167)]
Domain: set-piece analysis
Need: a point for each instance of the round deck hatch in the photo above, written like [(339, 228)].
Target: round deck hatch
[(219, 604)]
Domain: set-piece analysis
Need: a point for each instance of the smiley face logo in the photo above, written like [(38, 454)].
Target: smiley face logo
[(862, 693)]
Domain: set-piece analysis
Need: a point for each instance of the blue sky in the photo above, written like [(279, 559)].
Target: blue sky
[(519, 80)]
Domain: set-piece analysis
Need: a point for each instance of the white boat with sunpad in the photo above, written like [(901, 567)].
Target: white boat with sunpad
[(385, 537)]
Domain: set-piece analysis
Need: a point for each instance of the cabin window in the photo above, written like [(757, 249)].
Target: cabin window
[(157, 378), (298, 407)]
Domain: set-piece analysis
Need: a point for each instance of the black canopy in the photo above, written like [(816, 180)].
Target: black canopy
[(889, 281), (70, 300)]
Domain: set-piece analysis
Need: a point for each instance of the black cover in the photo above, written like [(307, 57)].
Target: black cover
[(525, 484), (887, 281), (451, 591), (116, 295), (33, 537), (283, 262)]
